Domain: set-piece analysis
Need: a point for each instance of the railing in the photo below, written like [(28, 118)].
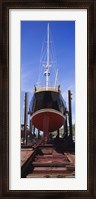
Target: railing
[(48, 89)]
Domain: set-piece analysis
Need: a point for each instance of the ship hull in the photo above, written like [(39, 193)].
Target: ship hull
[(47, 120), (47, 110)]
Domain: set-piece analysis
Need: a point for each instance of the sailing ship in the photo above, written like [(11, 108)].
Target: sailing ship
[(47, 107)]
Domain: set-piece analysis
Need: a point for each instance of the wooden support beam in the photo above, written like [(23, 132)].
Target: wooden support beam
[(70, 113), (25, 117)]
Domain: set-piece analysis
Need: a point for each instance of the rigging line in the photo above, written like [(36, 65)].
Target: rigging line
[(41, 51), (53, 53), (54, 49), (42, 54), (41, 67), (40, 74), (43, 45), (53, 63)]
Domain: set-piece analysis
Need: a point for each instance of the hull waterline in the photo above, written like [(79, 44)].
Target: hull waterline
[(47, 120)]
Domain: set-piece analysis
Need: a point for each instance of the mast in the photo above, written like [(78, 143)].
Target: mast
[(48, 45), (47, 73)]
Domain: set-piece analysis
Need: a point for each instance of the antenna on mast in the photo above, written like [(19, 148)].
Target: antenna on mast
[(47, 73)]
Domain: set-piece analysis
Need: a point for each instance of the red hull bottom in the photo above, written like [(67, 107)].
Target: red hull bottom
[(47, 120)]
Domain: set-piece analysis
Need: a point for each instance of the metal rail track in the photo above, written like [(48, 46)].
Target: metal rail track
[(47, 162)]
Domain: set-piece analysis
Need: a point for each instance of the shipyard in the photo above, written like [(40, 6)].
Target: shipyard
[(47, 131)]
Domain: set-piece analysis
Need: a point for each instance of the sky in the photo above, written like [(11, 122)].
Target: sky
[(62, 39)]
